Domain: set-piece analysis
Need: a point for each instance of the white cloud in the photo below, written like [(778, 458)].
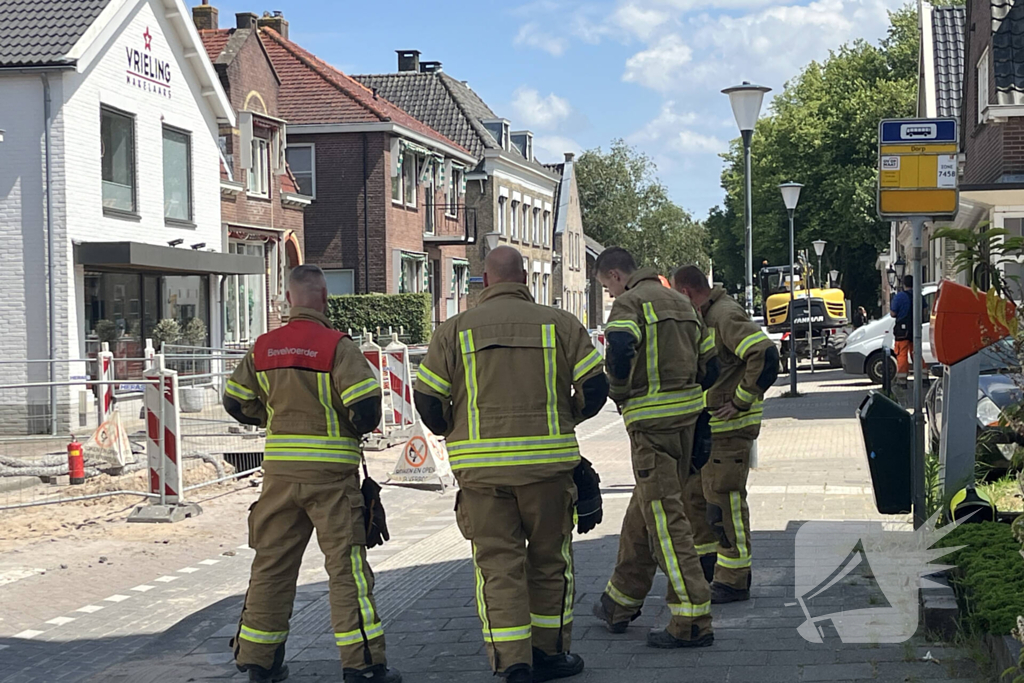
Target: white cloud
[(673, 131), (538, 112), (660, 66), (639, 21), (551, 149), (531, 35)]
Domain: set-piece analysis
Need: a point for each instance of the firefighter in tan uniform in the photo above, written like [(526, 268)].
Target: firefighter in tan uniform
[(506, 383), (749, 364), (313, 390), (657, 353)]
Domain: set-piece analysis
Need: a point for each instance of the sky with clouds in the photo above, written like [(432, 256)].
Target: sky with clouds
[(580, 73)]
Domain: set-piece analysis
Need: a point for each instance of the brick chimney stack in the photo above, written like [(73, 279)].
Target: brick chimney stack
[(246, 20), (408, 60), (204, 16), (569, 156), (276, 22)]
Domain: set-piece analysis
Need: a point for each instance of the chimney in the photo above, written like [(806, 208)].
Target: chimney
[(408, 60), (247, 20), (204, 16), (276, 22), (569, 156), (430, 67)]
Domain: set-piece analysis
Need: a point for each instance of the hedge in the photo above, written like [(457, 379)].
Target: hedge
[(370, 311)]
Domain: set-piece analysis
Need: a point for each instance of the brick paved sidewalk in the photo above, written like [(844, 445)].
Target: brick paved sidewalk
[(811, 466)]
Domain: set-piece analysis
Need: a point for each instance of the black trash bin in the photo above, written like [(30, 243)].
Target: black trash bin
[(888, 429)]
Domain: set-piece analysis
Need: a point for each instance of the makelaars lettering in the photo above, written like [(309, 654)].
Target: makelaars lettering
[(292, 352)]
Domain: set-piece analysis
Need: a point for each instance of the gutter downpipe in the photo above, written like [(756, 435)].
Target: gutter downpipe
[(50, 275), (366, 220)]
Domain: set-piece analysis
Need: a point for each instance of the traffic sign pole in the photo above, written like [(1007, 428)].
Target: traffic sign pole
[(918, 450)]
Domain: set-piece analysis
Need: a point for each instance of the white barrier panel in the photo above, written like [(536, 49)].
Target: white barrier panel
[(163, 432), (423, 460), (150, 354), (400, 382), (597, 339), (375, 357), (105, 404)]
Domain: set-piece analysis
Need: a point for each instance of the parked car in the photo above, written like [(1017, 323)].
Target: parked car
[(999, 388), (863, 353)]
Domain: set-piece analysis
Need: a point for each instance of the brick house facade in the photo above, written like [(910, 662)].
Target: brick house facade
[(388, 211), (261, 206), (570, 262)]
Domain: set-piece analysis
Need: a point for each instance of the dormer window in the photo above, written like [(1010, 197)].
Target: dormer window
[(499, 130), (522, 142)]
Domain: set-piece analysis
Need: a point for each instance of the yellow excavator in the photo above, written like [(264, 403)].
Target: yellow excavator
[(819, 314)]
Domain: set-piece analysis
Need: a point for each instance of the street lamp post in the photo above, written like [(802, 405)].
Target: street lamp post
[(746, 106), (790, 197), (833, 278), (819, 249)]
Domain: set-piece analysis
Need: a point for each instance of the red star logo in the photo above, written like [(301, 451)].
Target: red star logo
[(149, 39)]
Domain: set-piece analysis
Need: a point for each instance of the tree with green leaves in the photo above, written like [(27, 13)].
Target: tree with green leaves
[(624, 204), (822, 131)]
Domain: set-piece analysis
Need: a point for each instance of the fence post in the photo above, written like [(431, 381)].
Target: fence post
[(105, 404), (163, 449), (149, 354), (375, 357)]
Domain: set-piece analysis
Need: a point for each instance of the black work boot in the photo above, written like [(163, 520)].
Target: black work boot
[(666, 641), (378, 673), (707, 563), (605, 608), (549, 667), (277, 672), (517, 673), (721, 594)]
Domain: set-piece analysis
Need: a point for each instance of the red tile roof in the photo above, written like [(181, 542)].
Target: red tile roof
[(313, 91), (214, 41)]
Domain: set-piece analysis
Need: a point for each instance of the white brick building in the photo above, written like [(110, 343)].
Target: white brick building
[(126, 154)]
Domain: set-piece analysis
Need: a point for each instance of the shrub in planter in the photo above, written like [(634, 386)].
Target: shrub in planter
[(107, 331), (370, 311), (167, 331)]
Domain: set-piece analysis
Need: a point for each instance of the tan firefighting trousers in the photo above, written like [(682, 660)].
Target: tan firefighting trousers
[(719, 508), (656, 533), (280, 525), (522, 553), (704, 539)]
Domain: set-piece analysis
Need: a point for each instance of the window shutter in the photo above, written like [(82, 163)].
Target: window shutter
[(245, 132)]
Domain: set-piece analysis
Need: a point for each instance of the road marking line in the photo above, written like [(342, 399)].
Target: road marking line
[(765, 490), (28, 635), (844, 491), (168, 579), (805, 489), (60, 621), (209, 563), (188, 570), (143, 588), (117, 598), (89, 609)]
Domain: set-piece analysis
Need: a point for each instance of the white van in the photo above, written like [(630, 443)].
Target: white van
[(863, 353)]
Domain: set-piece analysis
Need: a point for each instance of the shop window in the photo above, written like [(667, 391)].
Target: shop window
[(245, 317), (341, 281), (177, 176), (259, 172), (302, 162), (117, 149), (187, 298)]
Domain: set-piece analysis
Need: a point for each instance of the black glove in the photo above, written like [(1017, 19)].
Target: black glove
[(588, 504), (701, 442), (373, 514)]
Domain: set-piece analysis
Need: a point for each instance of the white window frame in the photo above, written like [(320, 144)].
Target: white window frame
[(514, 225), (534, 283), (546, 227), (415, 284), (350, 271), (982, 71), (132, 156), (312, 164), (525, 220), (545, 289), (451, 194), (410, 164), (536, 225), (258, 173), (502, 215), (243, 323)]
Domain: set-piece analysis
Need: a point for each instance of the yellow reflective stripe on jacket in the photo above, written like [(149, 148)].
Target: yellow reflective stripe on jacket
[(708, 342), (261, 377), (688, 609), (706, 548), (749, 341), (545, 621), (521, 443), (366, 611), (505, 635), (664, 404), (586, 365), (255, 636), (473, 390), (734, 562), (653, 370), (547, 333), (745, 396), (355, 637), (668, 551), (434, 381), (623, 326), (621, 598), (301, 447), (323, 385), (746, 418), (358, 391), (494, 459), (238, 391)]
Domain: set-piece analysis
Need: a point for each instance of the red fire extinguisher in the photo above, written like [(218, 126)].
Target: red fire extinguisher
[(76, 463)]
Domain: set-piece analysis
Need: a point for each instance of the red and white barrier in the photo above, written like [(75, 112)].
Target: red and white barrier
[(150, 354), (399, 372), (105, 404), (597, 339), (375, 357), (163, 433)]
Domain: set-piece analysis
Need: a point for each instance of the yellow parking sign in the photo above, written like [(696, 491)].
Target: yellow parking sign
[(917, 168)]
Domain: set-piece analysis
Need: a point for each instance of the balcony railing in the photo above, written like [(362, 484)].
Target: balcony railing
[(449, 224)]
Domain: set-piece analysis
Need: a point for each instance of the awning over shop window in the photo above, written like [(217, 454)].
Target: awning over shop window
[(136, 256)]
